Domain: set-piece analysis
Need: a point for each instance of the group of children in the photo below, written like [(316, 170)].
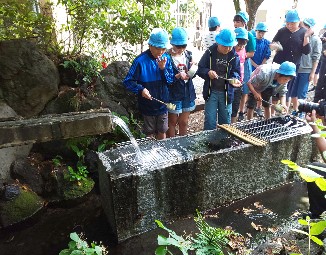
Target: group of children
[(233, 67)]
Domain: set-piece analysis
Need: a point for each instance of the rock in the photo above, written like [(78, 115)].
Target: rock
[(11, 191), (28, 174), (28, 78), (22, 207), (111, 91)]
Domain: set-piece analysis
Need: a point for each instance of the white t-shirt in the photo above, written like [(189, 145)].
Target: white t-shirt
[(181, 63)]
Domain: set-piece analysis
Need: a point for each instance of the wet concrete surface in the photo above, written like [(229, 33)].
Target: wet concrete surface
[(49, 233)]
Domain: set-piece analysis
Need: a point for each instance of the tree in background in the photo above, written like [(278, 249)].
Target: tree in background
[(251, 8), (90, 25), (190, 12)]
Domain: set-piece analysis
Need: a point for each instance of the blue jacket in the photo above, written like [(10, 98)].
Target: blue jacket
[(262, 51), (180, 90), (208, 62), (145, 73)]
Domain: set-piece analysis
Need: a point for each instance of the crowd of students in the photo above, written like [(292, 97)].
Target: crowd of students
[(235, 75), (233, 66)]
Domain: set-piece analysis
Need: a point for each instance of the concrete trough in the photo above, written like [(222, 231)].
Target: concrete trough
[(174, 177)]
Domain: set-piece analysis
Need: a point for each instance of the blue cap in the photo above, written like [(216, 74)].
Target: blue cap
[(179, 36), (213, 22), (309, 21), (159, 38), (226, 38), (261, 26), (292, 16), (244, 15), (287, 68), (241, 33)]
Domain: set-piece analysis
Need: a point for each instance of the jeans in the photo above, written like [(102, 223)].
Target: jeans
[(216, 105), (300, 86)]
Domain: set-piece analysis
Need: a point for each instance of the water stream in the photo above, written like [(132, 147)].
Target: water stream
[(118, 121)]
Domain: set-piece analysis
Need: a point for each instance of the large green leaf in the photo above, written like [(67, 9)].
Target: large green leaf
[(318, 228)]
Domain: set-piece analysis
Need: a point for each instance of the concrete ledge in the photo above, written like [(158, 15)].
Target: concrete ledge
[(54, 127), (201, 175)]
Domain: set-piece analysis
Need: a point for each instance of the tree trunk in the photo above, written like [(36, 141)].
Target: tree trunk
[(252, 7), (236, 5)]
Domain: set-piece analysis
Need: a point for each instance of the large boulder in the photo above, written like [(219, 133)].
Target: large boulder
[(28, 78), (111, 91)]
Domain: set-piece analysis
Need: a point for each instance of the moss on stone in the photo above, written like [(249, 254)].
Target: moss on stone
[(26, 204), (75, 190)]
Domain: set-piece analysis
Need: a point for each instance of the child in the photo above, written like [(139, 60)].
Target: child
[(242, 38), (214, 27), (266, 81), (218, 63), (149, 75), (240, 20), (262, 53), (307, 67), (181, 91), (290, 42)]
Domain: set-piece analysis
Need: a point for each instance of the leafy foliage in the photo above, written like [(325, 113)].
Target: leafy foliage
[(209, 240), (20, 19), (78, 246)]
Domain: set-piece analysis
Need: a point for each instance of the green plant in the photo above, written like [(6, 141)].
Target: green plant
[(209, 240), (57, 161), (80, 172), (78, 246), (86, 68), (314, 229)]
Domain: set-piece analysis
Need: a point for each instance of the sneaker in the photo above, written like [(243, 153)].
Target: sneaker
[(241, 116), (259, 112), (294, 113), (302, 115)]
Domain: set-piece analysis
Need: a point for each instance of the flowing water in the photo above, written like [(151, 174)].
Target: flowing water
[(118, 121)]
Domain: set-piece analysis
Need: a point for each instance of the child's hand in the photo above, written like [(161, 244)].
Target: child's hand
[(257, 96), (183, 76), (235, 83), (212, 75), (145, 93), (161, 62)]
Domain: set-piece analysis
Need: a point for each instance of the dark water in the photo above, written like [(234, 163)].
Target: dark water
[(48, 234)]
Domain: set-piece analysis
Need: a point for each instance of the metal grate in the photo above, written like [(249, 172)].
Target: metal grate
[(274, 129)]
